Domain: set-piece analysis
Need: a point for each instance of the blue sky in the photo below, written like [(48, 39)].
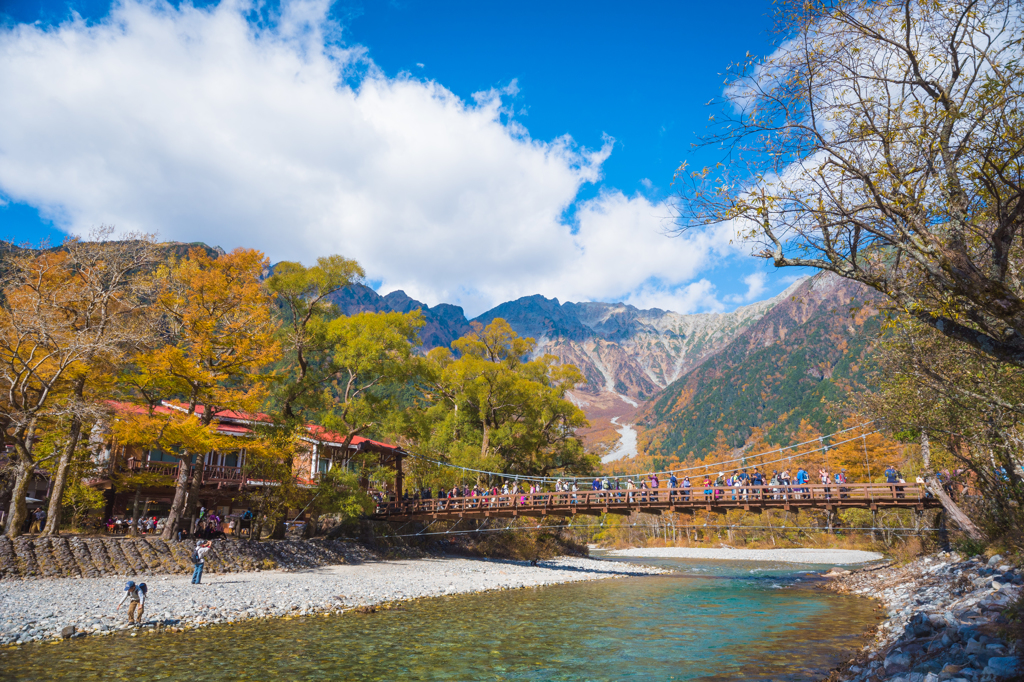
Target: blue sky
[(539, 139)]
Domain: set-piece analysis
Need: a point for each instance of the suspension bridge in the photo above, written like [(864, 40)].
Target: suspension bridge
[(871, 496)]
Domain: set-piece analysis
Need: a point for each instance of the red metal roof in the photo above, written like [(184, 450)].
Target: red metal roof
[(316, 431), (321, 434)]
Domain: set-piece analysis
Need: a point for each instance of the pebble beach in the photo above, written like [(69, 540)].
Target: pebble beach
[(49, 609), (944, 620)]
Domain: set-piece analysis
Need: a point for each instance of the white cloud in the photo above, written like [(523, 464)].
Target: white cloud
[(194, 124), (757, 285)]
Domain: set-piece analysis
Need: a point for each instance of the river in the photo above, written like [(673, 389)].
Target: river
[(712, 621)]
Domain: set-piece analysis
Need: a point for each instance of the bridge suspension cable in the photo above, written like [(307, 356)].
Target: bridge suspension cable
[(550, 479)]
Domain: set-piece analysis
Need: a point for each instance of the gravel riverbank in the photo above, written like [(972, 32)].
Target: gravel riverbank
[(796, 556), (41, 609), (943, 621)]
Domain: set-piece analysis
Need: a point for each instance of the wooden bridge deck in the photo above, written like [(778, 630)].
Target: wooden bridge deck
[(657, 501)]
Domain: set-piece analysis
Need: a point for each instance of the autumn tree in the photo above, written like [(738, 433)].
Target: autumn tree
[(219, 332), (884, 142), (63, 311), (109, 308), (963, 405), (514, 410)]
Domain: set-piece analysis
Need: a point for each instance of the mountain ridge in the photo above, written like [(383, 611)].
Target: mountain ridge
[(810, 350)]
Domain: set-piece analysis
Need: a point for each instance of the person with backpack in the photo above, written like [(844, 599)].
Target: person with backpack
[(199, 560), (801, 479), (136, 596)]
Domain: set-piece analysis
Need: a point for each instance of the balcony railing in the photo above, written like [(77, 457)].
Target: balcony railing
[(219, 475)]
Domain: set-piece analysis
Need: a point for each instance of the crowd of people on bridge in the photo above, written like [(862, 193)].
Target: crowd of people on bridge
[(741, 485)]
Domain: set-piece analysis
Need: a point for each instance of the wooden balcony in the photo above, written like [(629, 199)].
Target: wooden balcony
[(219, 476)]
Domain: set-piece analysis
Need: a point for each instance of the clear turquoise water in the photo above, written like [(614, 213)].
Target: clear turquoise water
[(715, 621)]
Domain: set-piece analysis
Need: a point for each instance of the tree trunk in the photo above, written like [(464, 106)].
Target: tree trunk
[(53, 516), (192, 506), (133, 529), (279, 527), (18, 511), (926, 451), (487, 438), (174, 516), (952, 510)]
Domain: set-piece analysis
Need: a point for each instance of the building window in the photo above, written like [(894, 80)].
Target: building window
[(325, 465), (231, 460), (158, 455)]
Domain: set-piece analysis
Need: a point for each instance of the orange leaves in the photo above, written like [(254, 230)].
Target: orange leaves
[(223, 333), (172, 433)]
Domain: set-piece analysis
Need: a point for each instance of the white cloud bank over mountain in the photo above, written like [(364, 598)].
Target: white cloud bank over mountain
[(201, 126)]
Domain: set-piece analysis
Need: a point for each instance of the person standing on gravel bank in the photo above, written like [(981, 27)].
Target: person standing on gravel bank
[(199, 560), (137, 604)]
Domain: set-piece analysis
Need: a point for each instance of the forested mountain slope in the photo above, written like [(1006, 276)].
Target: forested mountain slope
[(808, 350)]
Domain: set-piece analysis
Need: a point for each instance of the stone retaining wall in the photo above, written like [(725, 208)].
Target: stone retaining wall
[(94, 556)]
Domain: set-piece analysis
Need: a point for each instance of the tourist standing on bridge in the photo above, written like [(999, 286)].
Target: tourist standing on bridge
[(787, 482), (757, 480), (673, 483), (892, 477), (802, 477), (686, 488), (841, 481)]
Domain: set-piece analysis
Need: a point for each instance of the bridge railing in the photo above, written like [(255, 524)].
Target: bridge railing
[(847, 493)]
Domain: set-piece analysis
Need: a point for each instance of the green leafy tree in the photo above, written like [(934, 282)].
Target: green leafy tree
[(303, 299), (495, 408), (372, 357)]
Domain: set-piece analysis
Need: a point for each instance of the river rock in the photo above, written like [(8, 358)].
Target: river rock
[(897, 663), (68, 632), (1000, 668), (974, 647)]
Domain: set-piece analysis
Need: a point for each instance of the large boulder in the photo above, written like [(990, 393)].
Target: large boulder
[(1001, 668)]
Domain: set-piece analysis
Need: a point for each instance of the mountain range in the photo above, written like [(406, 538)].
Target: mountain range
[(676, 378)]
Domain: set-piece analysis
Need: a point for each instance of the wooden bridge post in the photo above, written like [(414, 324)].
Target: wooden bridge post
[(398, 477)]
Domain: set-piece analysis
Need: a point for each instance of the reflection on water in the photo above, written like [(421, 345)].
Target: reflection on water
[(724, 622)]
